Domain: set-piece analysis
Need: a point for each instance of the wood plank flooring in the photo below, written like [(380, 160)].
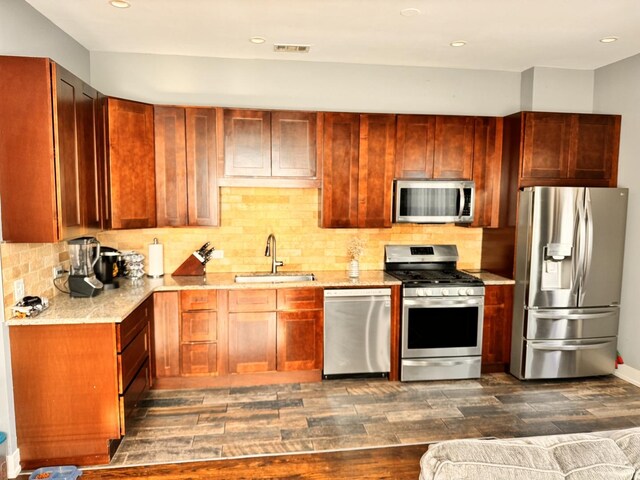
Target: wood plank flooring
[(220, 426)]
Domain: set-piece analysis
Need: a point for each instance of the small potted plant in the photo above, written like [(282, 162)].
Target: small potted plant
[(355, 249)]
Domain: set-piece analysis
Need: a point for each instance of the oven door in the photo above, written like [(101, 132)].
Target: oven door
[(442, 327)]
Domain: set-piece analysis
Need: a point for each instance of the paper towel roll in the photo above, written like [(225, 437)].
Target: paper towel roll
[(156, 259)]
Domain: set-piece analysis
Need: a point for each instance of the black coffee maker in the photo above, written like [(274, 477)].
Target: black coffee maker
[(109, 267)]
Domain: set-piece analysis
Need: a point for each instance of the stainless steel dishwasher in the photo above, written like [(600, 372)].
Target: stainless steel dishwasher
[(357, 329)]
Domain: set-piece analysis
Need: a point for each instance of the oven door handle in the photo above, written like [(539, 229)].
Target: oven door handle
[(458, 302)]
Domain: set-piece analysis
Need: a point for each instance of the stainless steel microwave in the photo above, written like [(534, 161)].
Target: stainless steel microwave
[(433, 201)]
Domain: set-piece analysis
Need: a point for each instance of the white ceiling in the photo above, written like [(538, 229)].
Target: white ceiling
[(508, 35)]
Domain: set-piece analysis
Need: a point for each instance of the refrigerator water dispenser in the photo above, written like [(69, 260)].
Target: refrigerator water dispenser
[(556, 267)]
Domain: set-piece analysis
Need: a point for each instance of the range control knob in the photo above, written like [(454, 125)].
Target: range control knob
[(445, 292), (462, 291), (469, 291), (421, 292)]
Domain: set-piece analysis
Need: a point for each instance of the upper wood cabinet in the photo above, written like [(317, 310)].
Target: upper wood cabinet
[(488, 173), (567, 149), (131, 164), (185, 151), (434, 146), (276, 144), (357, 183), (49, 165)]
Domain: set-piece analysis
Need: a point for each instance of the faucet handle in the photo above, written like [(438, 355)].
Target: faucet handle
[(279, 263)]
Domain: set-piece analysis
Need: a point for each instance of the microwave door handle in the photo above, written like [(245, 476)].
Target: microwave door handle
[(461, 189)]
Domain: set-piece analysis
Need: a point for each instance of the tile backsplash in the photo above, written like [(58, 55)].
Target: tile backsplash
[(248, 216)]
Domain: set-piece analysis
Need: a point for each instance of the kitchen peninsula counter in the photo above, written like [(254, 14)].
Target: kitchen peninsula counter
[(113, 306)]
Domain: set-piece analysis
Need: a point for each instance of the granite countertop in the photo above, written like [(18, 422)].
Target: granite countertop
[(489, 278), (113, 306)]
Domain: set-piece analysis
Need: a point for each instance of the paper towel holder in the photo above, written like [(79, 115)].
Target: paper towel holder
[(155, 242)]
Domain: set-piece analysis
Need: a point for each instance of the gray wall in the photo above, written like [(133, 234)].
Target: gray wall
[(302, 85), (616, 90), (25, 32)]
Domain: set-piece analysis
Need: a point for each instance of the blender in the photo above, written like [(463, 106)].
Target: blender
[(84, 252)]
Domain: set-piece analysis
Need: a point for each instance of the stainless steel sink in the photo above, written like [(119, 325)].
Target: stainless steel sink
[(274, 277)]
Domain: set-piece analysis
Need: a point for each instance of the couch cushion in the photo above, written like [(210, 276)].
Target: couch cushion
[(555, 457), (629, 442)]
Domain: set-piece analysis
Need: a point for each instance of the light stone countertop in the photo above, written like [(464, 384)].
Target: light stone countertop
[(113, 306), (491, 278)]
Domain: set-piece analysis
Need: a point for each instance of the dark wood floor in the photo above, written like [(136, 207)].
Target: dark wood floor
[(397, 463)]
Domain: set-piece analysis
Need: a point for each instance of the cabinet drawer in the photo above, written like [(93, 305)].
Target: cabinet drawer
[(127, 330), (130, 360), (252, 300), (300, 298), (134, 391), (198, 300), (199, 327), (198, 359)]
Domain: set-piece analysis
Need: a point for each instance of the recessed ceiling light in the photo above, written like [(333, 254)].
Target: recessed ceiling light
[(458, 43), (257, 40), (609, 39), (120, 4), (410, 12)]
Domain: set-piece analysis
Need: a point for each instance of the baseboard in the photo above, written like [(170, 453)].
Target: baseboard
[(629, 374), (13, 464)]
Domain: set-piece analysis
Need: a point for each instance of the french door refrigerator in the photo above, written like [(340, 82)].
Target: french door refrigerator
[(569, 255)]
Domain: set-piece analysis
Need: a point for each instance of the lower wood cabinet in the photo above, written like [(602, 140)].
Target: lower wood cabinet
[(496, 335), (74, 385), (223, 334)]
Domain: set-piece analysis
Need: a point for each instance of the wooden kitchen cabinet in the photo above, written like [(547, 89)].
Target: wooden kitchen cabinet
[(496, 334), (252, 331), (131, 164), (198, 332), (73, 396), (300, 329), (567, 149), (358, 156), (49, 164), (185, 166), (434, 146), (279, 145), (488, 171)]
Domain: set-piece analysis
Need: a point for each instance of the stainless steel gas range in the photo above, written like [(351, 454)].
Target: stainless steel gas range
[(442, 313)]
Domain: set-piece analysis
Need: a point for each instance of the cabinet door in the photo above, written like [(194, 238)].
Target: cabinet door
[(252, 342), (247, 143), (487, 170), (415, 144), (198, 358), (90, 159), (594, 152), (496, 335), (546, 144), (340, 170), (300, 340), (171, 166), (376, 167), (202, 191), (293, 144), (68, 92), (166, 334), (199, 327), (453, 151), (131, 162)]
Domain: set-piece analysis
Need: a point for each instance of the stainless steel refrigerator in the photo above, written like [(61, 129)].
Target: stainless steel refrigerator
[(569, 255)]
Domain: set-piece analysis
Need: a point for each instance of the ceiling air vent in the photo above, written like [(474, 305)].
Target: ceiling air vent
[(287, 48)]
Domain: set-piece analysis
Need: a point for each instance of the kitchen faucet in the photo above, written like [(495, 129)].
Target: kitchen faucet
[(267, 253)]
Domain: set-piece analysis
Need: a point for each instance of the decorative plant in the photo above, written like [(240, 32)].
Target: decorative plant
[(355, 248)]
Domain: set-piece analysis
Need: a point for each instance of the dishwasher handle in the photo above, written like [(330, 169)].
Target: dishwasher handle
[(357, 292)]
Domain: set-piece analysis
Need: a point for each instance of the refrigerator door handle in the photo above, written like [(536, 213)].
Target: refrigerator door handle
[(588, 241), (558, 315), (578, 264), (568, 348)]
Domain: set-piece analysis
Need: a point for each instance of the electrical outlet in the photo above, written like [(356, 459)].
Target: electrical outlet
[(218, 254), (18, 290), (57, 271)]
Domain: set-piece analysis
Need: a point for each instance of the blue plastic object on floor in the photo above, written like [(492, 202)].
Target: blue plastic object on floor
[(56, 473)]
